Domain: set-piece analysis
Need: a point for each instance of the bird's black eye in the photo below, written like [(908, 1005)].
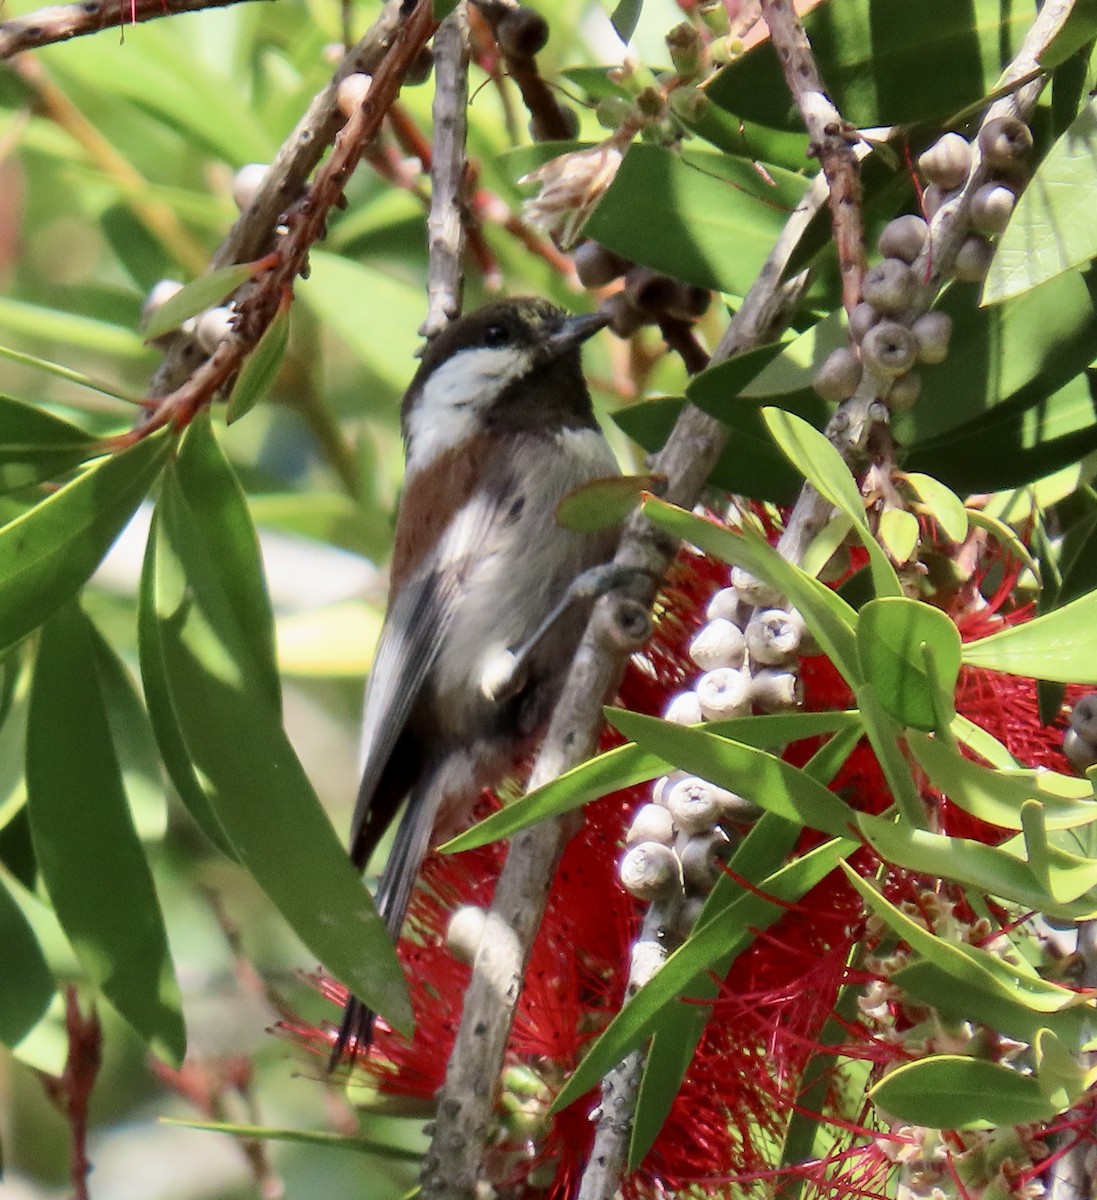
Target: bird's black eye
[(496, 335)]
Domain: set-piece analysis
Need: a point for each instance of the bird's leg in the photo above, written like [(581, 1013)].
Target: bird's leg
[(505, 671)]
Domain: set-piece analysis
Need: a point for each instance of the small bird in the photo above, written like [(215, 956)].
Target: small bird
[(484, 609)]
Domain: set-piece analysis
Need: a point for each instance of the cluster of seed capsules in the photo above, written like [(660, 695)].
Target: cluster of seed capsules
[(1080, 739), (748, 650), (885, 339)]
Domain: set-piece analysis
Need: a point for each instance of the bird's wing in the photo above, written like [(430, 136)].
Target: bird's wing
[(415, 629)]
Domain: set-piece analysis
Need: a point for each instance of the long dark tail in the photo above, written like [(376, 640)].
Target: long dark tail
[(393, 896)]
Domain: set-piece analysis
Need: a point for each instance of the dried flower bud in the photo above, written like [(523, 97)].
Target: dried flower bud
[(889, 285), (724, 693), (719, 643), (1083, 717), (701, 860), (352, 92), (903, 238), (213, 327), (650, 869), (596, 266), (753, 590), (773, 636), (724, 603), (1079, 751), (991, 208), (889, 349), (464, 932), (776, 690), (736, 809), (837, 379), (247, 182), (624, 317), (522, 33), (932, 331), (1003, 141), (571, 185), (861, 320), (972, 259), (652, 823), (686, 49), (904, 392), (685, 709), (694, 804), (947, 162)]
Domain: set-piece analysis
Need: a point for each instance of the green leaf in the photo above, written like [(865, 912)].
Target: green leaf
[(822, 466), (50, 551), (304, 1137), (625, 17), (724, 936), (997, 797), (26, 985), (948, 1091), (897, 532), (828, 616), (603, 503), (941, 503), (1060, 646), (625, 766), (1007, 536), (230, 725), (1079, 28), (678, 212), (85, 843), (868, 52), (769, 781), (206, 291), (71, 330), (884, 735), (35, 445), (890, 636), (66, 373), (260, 368), (1051, 229)]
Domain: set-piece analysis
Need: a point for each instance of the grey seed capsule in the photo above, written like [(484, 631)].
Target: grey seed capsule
[(972, 259), (465, 931), (947, 162), (776, 689), (903, 238), (652, 823), (1083, 717), (1003, 141), (904, 392), (837, 379), (701, 860), (932, 331), (650, 869), (724, 693), (889, 285), (889, 349), (685, 709), (694, 804), (991, 208), (1079, 752), (719, 644), (861, 320), (773, 636), (754, 590)]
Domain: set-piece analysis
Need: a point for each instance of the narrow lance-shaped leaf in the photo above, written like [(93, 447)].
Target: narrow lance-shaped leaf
[(50, 551), (85, 843), (201, 293), (260, 368), (231, 728), (1060, 646), (26, 985)]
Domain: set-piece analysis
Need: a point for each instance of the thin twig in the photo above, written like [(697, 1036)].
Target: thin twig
[(448, 173), (304, 225), (462, 1127), (60, 22), (832, 141)]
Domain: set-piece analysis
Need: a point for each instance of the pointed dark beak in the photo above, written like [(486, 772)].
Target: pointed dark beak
[(574, 332)]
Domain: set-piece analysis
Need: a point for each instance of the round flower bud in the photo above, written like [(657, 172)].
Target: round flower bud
[(624, 317), (701, 860), (889, 285), (613, 111), (650, 869), (352, 92), (1083, 717), (685, 709), (694, 804), (724, 603), (1079, 752), (719, 644), (837, 379), (596, 266), (1003, 141), (776, 689), (247, 182), (724, 693), (464, 932), (737, 810), (160, 294), (889, 349), (773, 636), (972, 259), (932, 331), (991, 207), (213, 327), (904, 392), (652, 823), (903, 238), (753, 590), (947, 162), (861, 320), (522, 33)]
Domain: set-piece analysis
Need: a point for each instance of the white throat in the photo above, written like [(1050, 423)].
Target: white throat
[(447, 411)]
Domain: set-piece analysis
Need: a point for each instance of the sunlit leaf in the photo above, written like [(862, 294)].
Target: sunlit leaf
[(603, 503), (204, 292), (1061, 645)]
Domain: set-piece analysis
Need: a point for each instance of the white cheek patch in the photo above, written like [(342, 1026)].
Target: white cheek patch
[(447, 410)]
